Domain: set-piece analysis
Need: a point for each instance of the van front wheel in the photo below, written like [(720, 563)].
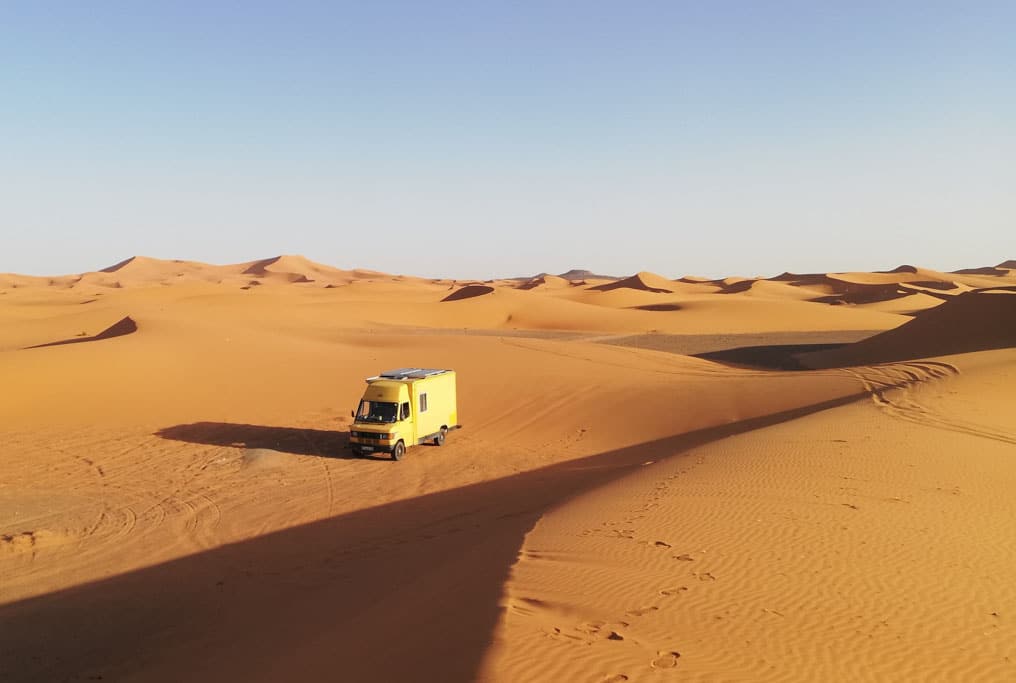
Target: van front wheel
[(398, 451), (439, 439)]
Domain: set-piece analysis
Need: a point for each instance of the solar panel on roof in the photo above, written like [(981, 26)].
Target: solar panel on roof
[(401, 372), (412, 373)]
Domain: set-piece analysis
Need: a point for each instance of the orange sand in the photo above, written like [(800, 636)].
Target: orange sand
[(177, 503)]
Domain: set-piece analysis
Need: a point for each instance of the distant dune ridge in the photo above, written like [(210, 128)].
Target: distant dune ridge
[(551, 281), (576, 300), (295, 269), (572, 275)]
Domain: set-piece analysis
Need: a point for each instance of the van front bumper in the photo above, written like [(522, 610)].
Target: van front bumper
[(372, 446)]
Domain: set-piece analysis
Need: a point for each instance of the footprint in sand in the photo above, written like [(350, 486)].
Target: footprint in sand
[(641, 611), (558, 633), (673, 591), (619, 678), (591, 627), (666, 660), (662, 544)]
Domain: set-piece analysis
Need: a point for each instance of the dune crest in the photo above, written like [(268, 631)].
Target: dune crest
[(294, 269), (148, 265), (642, 281)]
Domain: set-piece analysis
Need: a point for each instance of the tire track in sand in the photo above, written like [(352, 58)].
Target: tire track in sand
[(894, 389)]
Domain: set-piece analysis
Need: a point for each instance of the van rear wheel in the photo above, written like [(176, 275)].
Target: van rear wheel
[(439, 439), (398, 451)]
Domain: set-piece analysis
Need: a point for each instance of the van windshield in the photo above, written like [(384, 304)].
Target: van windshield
[(376, 411)]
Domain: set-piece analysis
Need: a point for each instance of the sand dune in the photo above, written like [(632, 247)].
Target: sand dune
[(150, 268), (646, 282), (975, 321), (176, 482), (772, 554), (298, 269), (898, 291), (548, 281)]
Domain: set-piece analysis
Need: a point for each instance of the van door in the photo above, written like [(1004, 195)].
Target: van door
[(407, 425)]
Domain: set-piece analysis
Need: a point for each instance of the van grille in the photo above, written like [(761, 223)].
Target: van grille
[(366, 435)]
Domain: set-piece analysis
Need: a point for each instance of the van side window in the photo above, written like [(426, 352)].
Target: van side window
[(423, 403), (405, 411)]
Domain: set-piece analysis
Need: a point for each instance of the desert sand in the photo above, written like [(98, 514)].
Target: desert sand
[(797, 478)]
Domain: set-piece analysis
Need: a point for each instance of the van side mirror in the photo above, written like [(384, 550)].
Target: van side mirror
[(352, 413)]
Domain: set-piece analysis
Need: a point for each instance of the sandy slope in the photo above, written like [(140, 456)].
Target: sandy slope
[(868, 542), (176, 499)]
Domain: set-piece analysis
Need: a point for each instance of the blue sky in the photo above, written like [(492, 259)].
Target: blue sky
[(484, 139)]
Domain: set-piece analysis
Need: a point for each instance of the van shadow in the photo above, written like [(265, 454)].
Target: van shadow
[(298, 441), (410, 590)]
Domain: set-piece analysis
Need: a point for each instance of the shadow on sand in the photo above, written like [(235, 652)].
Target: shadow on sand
[(409, 590), (322, 442), (771, 357), (122, 327)]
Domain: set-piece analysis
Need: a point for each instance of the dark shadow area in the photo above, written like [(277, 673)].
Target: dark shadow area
[(533, 283), (736, 287), (407, 591), (802, 278), (633, 282), (933, 284), (776, 357), (468, 292), (987, 270), (118, 329), (325, 443), (701, 345), (117, 266), (871, 295), (979, 320), (260, 268), (659, 307)]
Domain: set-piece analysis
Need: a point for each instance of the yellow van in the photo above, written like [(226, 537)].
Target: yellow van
[(402, 408)]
